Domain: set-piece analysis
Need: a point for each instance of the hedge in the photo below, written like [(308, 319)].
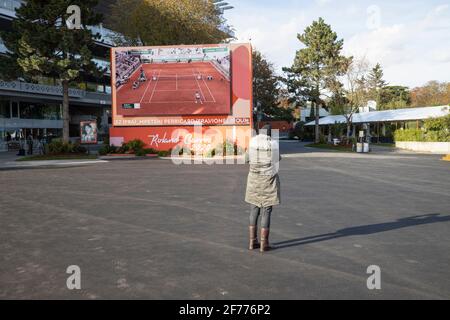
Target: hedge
[(434, 130)]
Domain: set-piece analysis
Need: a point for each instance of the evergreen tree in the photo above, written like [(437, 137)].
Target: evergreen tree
[(42, 44), (395, 97), (376, 84), (317, 66), (375, 78)]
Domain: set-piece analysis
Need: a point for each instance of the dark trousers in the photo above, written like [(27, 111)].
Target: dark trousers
[(265, 213)]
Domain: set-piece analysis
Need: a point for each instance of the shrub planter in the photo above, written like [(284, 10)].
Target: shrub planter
[(428, 147)]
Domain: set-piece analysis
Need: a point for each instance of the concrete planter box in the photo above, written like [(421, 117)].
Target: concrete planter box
[(429, 147)]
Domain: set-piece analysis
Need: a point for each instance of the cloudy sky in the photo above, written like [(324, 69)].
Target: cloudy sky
[(411, 39)]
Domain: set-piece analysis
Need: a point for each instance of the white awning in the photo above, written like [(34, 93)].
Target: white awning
[(388, 116)]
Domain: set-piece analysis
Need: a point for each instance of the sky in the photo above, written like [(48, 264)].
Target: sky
[(410, 39)]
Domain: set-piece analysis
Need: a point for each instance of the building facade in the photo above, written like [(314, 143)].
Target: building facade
[(36, 108)]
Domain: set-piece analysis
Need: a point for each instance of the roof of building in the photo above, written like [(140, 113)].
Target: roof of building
[(388, 116), (307, 112)]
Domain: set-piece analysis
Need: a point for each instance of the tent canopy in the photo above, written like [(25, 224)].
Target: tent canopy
[(388, 116)]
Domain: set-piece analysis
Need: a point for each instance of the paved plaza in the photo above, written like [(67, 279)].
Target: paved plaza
[(152, 230)]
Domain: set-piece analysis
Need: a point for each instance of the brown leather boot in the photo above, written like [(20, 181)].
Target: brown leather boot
[(253, 236), (265, 240)]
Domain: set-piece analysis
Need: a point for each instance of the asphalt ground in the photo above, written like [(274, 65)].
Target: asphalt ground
[(153, 230)]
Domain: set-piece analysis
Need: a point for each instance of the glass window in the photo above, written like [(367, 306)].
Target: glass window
[(40, 111), (108, 89), (51, 112), (14, 109), (28, 110), (5, 109)]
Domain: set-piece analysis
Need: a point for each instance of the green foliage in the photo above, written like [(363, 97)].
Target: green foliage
[(438, 124), (394, 97), (107, 149), (410, 135), (136, 147), (164, 154), (320, 62), (42, 45), (323, 139), (318, 66), (266, 88), (376, 84), (337, 130), (59, 147), (227, 148), (375, 78), (168, 22), (435, 130), (140, 153), (150, 151)]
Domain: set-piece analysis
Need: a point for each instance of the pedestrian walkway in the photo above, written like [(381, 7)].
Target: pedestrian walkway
[(8, 156), (8, 162), (293, 148)]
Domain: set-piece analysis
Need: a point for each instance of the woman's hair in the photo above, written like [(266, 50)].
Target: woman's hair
[(267, 130), (85, 126)]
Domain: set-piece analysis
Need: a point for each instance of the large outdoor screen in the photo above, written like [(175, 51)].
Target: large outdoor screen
[(173, 81)]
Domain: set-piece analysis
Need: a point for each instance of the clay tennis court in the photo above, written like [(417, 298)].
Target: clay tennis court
[(174, 91)]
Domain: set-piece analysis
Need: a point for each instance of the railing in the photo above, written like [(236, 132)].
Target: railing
[(103, 64), (39, 89), (107, 36)]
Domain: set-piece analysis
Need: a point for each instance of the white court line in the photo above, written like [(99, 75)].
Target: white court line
[(156, 84), (148, 86), (198, 85), (214, 99), (188, 101), (176, 90)]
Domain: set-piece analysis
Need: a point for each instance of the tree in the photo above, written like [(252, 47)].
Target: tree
[(317, 66), (41, 44), (266, 89), (354, 93), (168, 22), (395, 97), (434, 93), (376, 84)]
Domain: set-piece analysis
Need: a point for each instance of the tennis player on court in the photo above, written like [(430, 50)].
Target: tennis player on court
[(198, 98)]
